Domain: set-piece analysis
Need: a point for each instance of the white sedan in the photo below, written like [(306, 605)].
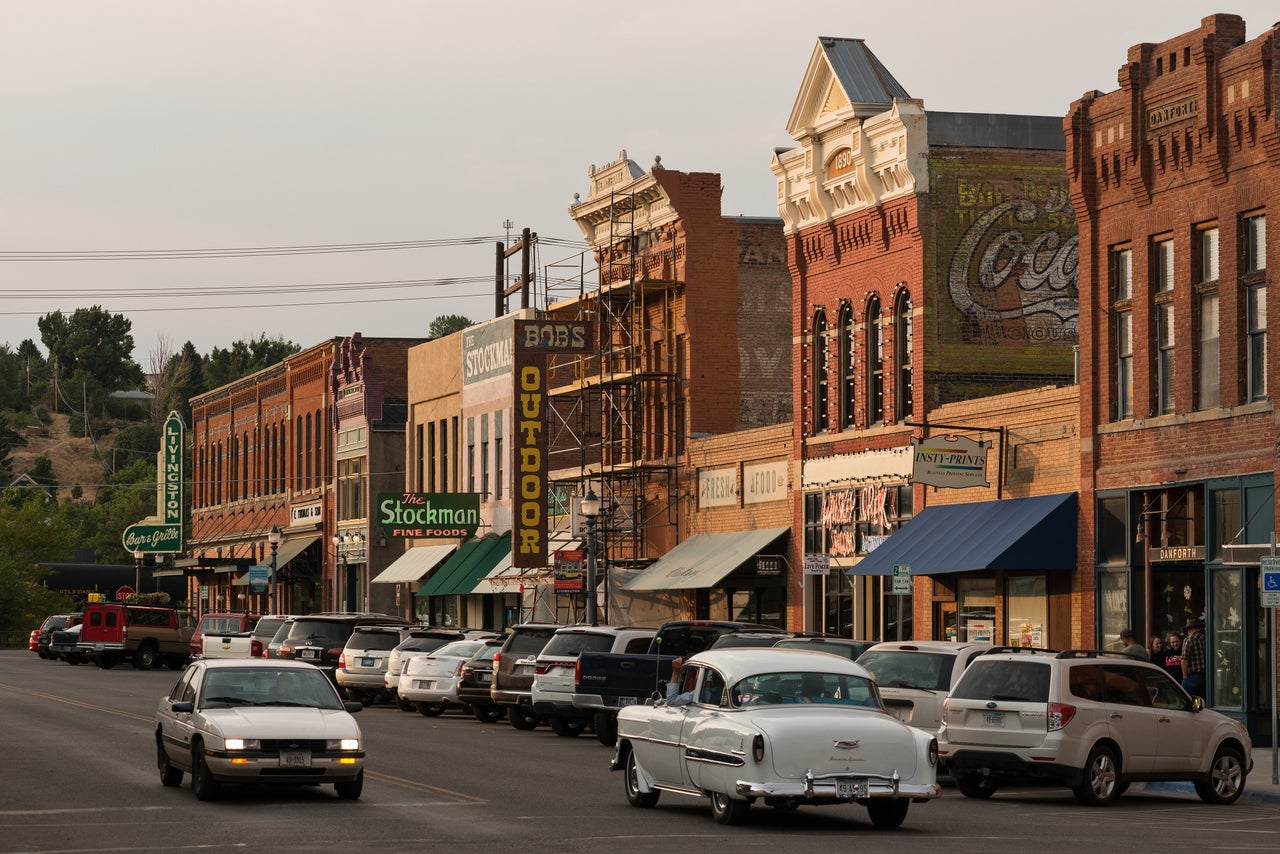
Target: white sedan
[(258, 721), (430, 682), (786, 727)]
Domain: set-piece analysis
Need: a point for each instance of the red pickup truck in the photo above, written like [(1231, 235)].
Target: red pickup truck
[(144, 635)]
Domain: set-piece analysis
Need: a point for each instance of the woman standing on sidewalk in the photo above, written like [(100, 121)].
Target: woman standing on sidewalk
[(1171, 659)]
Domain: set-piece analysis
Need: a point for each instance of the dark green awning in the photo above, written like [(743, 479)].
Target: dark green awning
[(473, 560)]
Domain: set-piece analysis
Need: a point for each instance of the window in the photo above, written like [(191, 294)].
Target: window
[(847, 351), (484, 469), (1027, 610), (444, 456), (818, 359), (1255, 244), (1124, 365), (875, 363), (1122, 274), (1207, 252), (308, 471), (351, 488), (497, 468), (1207, 352), (902, 357), (1256, 329), (1164, 357), (1162, 275)]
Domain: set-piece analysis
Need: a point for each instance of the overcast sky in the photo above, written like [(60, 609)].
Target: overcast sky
[(139, 127)]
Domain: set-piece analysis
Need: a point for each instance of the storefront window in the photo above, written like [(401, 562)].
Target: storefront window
[(1112, 531), (976, 609), (839, 605), (1179, 598), (1226, 657), (1027, 610), (1113, 607)]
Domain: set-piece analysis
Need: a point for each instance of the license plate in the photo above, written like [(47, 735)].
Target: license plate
[(486, 677), (295, 759), (626, 701), (308, 653), (98, 647), (993, 719), (424, 684), (850, 788), (366, 662)]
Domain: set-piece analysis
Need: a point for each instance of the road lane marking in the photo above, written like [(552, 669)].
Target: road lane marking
[(80, 703), (423, 787)]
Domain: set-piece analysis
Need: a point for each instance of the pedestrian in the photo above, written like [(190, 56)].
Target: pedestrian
[(1132, 648), (1193, 659), (1173, 655), (1155, 650)]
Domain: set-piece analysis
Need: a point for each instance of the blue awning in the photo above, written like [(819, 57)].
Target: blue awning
[(1016, 533)]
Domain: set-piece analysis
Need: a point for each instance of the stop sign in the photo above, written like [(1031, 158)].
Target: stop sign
[(124, 593)]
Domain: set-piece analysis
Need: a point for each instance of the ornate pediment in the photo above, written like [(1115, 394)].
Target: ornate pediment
[(623, 199)]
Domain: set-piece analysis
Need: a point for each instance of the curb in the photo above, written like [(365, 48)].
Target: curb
[(1249, 796)]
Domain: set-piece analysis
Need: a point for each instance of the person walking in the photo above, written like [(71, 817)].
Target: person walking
[(1172, 661), (1193, 659), (1132, 648)]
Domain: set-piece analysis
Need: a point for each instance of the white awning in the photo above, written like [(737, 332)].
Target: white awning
[(414, 565), (703, 560)]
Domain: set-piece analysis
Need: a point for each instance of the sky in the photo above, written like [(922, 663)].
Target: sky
[(169, 161)]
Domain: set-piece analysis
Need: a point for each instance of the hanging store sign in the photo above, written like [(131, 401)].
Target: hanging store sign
[(949, 462), (410, 515), (162, 534)]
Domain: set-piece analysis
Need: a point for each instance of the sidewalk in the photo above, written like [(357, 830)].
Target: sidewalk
[(1258, 789)]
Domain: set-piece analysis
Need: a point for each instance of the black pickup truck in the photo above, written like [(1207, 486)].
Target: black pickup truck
[(606, 681)]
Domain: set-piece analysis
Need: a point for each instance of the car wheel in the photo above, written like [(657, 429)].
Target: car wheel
[(202, 782), (521, 719), (567, 727), (169, 775), (145, 657), (73, 660), (631, 779), (431, 710), (727, 810), (349, 790), (404, 705), (1100, 786), (606, 727), (52, 656), (1226, 778), (974, 785), (486, 714), (106, 661), (888, 813)]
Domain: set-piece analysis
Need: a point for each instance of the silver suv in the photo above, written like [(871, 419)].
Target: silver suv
[(914, 677), (1090, 720)]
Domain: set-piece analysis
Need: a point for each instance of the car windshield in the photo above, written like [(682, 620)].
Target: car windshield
[(569, 644), (226, 688), (374, 640), (787, 687), (1014, 681), (459, 649), (320, 632), (427, 644), (848, 650), (530, 640), (486, 652), (894, 668), (267, 627)]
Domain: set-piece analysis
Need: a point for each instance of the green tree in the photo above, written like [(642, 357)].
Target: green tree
[(185, 380), (8, 440), (127, 497), (91, 343), (245, 357), (447, 324), (32, 530)]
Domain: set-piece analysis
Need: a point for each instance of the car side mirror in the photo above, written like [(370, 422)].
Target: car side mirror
[(352, 706), (1197, 704), (184, 706)]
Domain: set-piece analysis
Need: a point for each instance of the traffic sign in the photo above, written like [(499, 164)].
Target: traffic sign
[(123, 593), (1270, 565), (901, 579)]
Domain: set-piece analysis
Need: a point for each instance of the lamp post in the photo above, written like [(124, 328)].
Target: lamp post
[(137, 571), (590, 508), (273, 537), (339, 542)]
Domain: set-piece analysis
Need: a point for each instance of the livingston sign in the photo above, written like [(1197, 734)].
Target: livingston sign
[(954, 462), (404, 515), (163, 534)]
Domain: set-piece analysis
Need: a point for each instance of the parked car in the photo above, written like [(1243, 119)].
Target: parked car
[(415, 642), (513, 668), (430, 681), (51, 624), (847, 647), (319, 638), (65, 644), (220, 623), (556, 665), (257, 722), (145, 635), (475, 679), (362, 666), (738, 640), (272, 647), (786, 727), (916, 676), (1090, 720), (263, 632)]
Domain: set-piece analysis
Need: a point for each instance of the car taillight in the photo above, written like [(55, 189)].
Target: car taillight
[(1060, 714), (933, 751), (577, 672), (497, 656), (757, 748), (284, 650), (255, 649), (466, 670), (542, 669), (342, 660)]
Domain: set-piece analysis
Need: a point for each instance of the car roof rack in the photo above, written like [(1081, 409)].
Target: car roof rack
[(996, 650), (1097, 653)]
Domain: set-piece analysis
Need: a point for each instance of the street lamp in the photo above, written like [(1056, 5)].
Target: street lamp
[(137, 571), (590, 508), (273, 537)]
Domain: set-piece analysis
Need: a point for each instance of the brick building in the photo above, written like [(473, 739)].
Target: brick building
[(932, 258), (1172, 175)]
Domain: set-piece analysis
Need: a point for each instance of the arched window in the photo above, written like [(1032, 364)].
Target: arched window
[(322, 470), (902, 405), (298, 445), (245, 486), (309, 456), (874, 356), (216, 474), (818, 358), (848, 387)]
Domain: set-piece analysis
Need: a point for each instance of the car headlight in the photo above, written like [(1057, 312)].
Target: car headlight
[(242, 744), (343, 744)]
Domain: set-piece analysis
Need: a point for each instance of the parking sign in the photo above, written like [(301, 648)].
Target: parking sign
[(1270, 581), (901, 579)]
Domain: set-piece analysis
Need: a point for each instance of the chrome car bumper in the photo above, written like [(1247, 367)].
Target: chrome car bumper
[(848, 787)]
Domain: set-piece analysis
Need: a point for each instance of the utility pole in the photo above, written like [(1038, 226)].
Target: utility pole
[(502, 290)]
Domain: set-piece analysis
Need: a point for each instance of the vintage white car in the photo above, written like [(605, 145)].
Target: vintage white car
[(258, 721), (788, 727)]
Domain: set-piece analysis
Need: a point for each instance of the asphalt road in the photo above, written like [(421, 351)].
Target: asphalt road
[(78, 775)]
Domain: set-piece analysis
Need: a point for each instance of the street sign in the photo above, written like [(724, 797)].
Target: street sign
[(1270, 565), (901, 579), (123, 593), (259, 578)]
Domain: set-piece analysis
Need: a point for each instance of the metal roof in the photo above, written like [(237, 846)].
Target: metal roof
[(863, 77)]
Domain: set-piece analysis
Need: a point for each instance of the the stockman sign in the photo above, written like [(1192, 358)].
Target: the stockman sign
[(534, 341), (404, 515), (954, 462), (163, 534)]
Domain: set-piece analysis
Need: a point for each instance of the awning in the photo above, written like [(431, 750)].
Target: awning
[(703, 560), (471, 562), (495, 581), (1016, 533), (291, 548), (413, 565)]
